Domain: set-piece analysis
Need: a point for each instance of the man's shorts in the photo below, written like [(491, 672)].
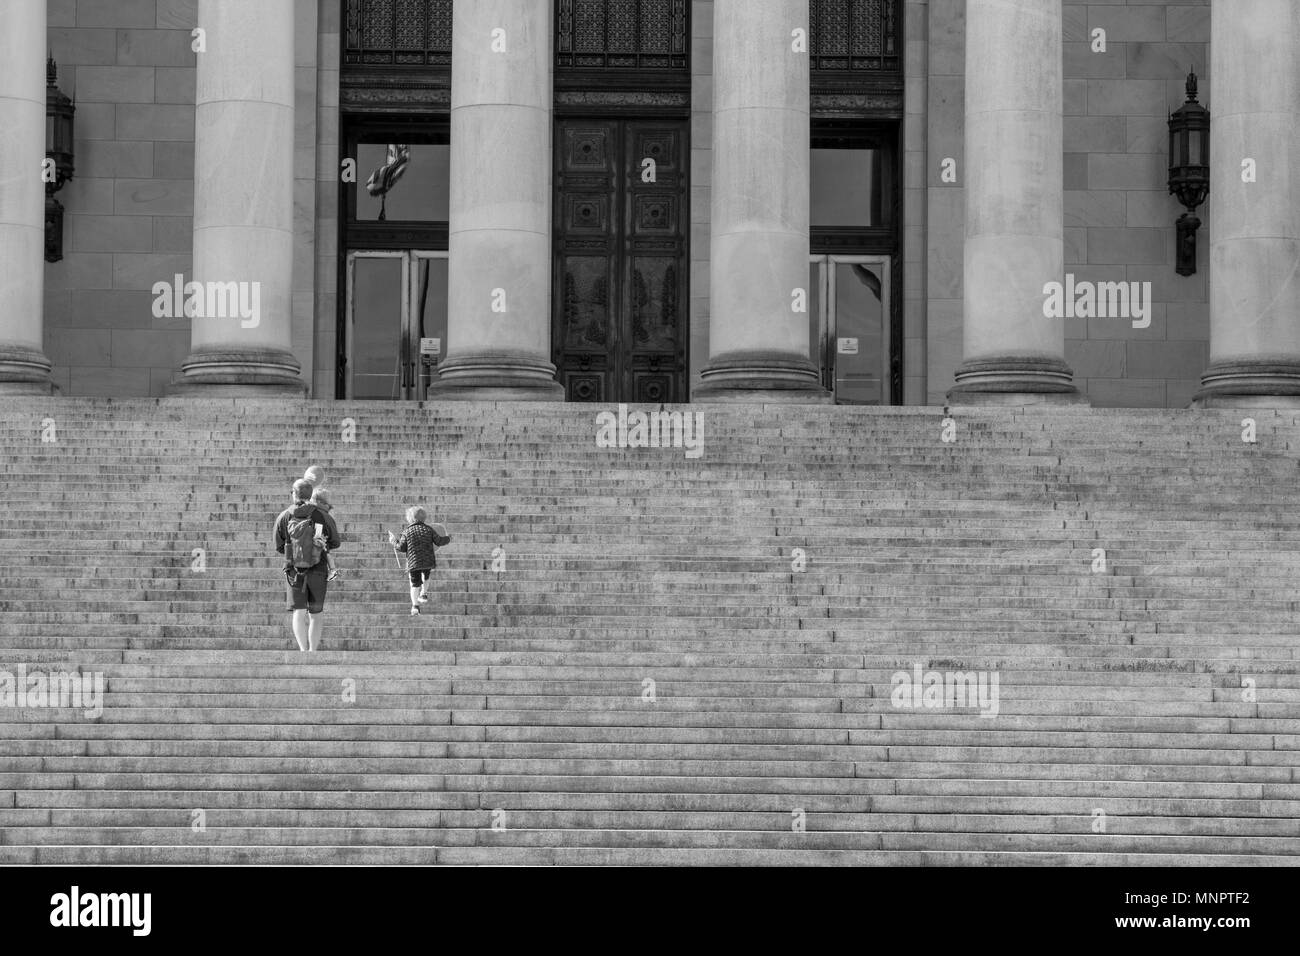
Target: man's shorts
[(419, 577), (309, 592)]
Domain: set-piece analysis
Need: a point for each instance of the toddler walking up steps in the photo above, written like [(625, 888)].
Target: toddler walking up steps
[(714, 652)]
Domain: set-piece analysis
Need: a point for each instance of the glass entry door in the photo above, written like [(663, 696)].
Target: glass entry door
[(396, 323), (849, 326)]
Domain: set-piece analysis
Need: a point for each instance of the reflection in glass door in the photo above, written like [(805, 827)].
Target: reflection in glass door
[(396, 323), (849, 326), (427, 339)]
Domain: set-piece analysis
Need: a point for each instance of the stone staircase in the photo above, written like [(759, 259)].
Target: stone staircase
[(641, 674)]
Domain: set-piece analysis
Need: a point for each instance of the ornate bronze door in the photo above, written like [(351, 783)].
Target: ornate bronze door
[(620, 292)]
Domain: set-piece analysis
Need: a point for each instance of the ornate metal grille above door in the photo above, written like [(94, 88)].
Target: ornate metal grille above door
[(396, 56), (623, 56), (854, 35), (623, 34), (398, 32), (857, 62)]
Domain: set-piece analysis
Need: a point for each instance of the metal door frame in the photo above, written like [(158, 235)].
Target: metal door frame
[(407, 357), (414, 373), (827, 320)]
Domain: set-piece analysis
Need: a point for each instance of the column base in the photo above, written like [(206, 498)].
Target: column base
[(761, 377), (236, 373), (24, 371), (1015, 380), (1263, 382), (496, 377)]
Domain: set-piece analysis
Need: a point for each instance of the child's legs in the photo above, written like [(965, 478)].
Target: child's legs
[(419, 582)]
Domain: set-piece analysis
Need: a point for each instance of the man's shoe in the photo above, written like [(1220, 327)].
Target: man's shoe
[(415, 609)]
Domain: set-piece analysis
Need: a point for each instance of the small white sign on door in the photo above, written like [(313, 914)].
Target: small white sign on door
[(430, 346), (847, 346)]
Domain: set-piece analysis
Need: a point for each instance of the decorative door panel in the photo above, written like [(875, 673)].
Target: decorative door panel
[(620, 261)]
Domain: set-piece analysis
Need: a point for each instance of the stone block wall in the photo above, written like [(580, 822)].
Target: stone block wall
[(1119, 216), (129, 209)]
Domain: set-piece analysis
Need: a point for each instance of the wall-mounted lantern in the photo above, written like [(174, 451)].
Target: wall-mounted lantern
[(1189, 171), (59, 111)]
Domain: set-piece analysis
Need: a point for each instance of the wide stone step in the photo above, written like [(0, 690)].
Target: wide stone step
[(810, 681), (397, 757), (904, 745), (842, 840), (571, 856), (712, 728), (44, 825)]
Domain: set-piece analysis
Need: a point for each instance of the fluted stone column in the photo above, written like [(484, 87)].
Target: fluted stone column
[(1254, 227), (758, 343), (1014, 205), (24, 369), (243, 197), (499, 282)]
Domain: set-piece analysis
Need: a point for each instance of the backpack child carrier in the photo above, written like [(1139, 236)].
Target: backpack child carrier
[(303, 550)]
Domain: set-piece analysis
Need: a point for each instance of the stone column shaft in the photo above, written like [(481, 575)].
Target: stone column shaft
[(1254, 227), (1014, 203), (24, 369), (499, 283), (758, 343), (243, 199)]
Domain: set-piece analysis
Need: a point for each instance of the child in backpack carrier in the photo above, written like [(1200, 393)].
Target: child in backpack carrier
[(321, 499), (420, 542)]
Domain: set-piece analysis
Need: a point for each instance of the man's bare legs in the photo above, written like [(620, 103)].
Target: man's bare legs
[(300, 628), (314, 626)]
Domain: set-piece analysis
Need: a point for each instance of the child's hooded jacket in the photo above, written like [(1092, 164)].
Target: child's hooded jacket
[(421, 543)]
